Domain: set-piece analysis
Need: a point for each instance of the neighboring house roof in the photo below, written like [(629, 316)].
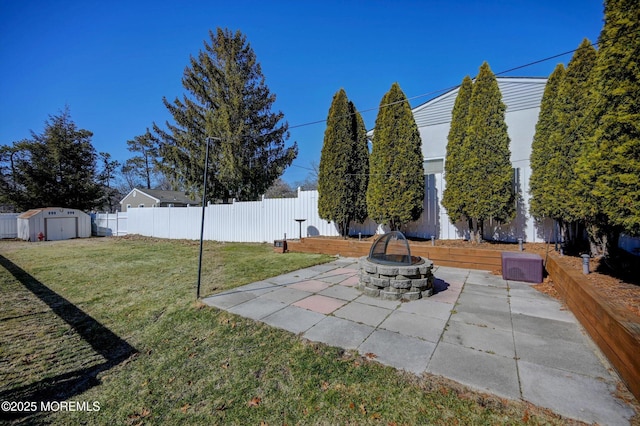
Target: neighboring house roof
[(162, 196)]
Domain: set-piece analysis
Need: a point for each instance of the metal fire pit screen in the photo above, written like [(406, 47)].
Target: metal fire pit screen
[(392, 249)]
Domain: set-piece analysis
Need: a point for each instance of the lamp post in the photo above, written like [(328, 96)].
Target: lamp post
[(300, 226), (204, 200)]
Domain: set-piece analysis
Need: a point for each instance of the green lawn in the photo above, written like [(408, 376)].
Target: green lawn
[(115, 321)]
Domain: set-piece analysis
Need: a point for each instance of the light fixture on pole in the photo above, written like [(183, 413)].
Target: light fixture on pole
[(204, 200)]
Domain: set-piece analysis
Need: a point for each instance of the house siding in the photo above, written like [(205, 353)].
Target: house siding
[(522, 97), (138, 199)]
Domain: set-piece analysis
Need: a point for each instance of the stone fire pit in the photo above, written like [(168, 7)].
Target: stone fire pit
[(391, 273)]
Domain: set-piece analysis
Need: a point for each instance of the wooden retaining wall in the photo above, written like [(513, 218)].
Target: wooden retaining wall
[(614, 330), (489, 260)]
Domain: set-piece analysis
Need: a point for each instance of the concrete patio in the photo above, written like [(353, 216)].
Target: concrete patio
[(496, 336)]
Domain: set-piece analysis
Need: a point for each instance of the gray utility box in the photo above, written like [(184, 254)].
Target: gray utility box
[(522, 267)]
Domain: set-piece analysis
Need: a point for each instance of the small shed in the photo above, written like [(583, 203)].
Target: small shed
[(55, 223)]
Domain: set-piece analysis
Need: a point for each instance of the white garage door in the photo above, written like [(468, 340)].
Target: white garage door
[(61, 228)]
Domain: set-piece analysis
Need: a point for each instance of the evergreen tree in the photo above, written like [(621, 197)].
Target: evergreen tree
[(344, 165), (453, 194), (11, 189), (608, 170), (360, 161), (487, 164), (567, 140), (396, 189), (542, 174), (9, 186), (106, 177), (229, 102), (145, 164), (54, 169)]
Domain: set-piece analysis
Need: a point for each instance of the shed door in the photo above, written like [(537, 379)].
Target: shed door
[(60, 228)]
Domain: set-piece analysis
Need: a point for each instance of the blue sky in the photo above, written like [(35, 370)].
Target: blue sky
[(112, 62)]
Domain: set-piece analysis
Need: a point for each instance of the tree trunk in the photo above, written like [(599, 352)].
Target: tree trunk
[(476, 233), (597, 241), (345, 229), (612, 241)]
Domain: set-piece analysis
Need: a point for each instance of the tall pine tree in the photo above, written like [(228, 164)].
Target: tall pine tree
[(453, 194), (542, 173), (573, 125), (487, 164), (106, 177), (344, 165), (396, 185), (54, 169), (608, 170), (228, 101), (145, 164)]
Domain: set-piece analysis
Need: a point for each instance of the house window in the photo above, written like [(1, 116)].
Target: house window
[(433, 166), (128, 206), (140, 205)]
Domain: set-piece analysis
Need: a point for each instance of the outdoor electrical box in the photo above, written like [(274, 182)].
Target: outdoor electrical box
[(280, 246), (522, 267)]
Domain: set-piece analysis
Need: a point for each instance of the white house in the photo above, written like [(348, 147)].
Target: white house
[(522, 97)]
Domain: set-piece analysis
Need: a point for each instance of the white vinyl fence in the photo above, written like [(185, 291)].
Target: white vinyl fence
[(272, 219), (9, 225), (109, 224), (251, 221), (275, 219)]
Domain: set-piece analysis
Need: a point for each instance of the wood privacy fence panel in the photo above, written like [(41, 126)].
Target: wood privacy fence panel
[(9, 225)]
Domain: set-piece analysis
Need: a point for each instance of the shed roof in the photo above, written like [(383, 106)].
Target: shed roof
[(33, 212), (29, 213)]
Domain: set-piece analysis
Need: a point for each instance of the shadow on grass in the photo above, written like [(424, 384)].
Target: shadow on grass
[(103, 341)]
